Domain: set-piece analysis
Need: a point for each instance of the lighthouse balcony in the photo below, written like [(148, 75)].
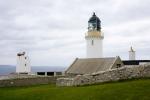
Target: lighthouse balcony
[(97, 34)]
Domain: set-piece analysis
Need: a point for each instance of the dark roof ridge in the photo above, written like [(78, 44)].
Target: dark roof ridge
[(98, 58)]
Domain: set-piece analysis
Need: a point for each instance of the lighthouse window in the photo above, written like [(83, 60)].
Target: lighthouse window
[(25, 64), (92, 42), (25, 57)]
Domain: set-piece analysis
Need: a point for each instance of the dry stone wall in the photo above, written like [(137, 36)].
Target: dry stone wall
[(125, 72), (27, 81)]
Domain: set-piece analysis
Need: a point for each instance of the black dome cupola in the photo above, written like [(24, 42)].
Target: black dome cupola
[(94, 23)]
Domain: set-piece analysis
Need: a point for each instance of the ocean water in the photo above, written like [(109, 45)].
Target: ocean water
[(7, 69)]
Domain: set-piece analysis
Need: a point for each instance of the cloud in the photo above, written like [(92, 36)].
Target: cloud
[(53, 31)]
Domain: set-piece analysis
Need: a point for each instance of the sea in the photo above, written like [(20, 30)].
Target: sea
[(7, 69)]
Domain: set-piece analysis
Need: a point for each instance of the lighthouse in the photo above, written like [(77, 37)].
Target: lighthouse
[(23, 63), (131, 54), (94, 38)]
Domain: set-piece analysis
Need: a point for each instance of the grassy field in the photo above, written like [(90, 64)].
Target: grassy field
[(129, 90)]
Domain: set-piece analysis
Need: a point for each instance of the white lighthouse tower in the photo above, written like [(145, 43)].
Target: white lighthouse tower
[(131, 54), (94, 38), (23, 63)]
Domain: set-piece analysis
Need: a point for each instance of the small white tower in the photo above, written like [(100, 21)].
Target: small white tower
[(94, 38), (23, 63), (131, 54)]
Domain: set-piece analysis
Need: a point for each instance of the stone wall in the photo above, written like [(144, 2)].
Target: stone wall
[(27, 81), (125, 72)]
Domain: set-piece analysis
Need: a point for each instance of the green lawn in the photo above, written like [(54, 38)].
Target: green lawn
[(129, 90)]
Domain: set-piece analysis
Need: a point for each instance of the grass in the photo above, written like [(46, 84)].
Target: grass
[(126, 90)]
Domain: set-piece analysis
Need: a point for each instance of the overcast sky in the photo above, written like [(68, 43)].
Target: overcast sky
[(52, 31)]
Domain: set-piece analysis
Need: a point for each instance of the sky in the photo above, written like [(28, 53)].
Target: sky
[(52, 31)]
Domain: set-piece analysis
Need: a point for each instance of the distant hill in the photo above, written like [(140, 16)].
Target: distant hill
[(6, 69)]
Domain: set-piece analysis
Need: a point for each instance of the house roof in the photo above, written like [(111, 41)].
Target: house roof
[(91, 65)]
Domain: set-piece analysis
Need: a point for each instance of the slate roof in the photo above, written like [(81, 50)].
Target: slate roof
[(92, 65)]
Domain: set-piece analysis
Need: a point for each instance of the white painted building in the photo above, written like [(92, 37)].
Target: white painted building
[(131, 54), (23, 63), (94, 38)]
